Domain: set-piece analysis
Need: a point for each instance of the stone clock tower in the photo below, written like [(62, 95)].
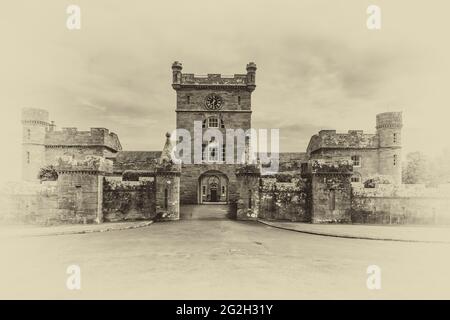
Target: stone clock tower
[(220, 102)]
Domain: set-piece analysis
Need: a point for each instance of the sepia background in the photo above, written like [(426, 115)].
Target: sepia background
[(318, 66)]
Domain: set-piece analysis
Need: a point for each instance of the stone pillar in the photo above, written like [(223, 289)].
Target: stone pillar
[(80, 189), (247, 178), (167, 183), (329, 190)]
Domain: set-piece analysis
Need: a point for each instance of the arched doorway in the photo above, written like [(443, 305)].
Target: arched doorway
[(213, 187)]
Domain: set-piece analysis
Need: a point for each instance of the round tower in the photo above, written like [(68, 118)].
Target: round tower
[(176, 74), (251, 76), (389, 127), (35, 123)]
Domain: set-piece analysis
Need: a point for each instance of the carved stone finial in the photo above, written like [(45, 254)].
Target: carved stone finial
[(167, 150)]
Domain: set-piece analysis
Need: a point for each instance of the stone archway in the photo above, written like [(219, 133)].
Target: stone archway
[(213, 188)]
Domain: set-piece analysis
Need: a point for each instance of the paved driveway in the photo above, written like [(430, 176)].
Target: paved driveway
[(220, 259)]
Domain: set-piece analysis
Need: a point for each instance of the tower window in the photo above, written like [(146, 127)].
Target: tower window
[(204, 190), (395, 159), (189, 99), (28, 134), (213, 154), (213, 123), (239, 99), (356, 161), (203, 151), (223, 190), (223, 152), (250, 199), (28, 157), (395, 138)]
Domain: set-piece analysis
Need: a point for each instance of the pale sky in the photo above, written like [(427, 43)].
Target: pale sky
[(319, 67)]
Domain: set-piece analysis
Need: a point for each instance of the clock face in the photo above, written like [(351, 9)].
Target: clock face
[(213, 102)]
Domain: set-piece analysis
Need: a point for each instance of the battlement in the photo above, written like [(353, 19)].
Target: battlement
[(213, 79), (389, 120), (180, 79), (90, 164), (354, 139), (72, 137), (327, 167)]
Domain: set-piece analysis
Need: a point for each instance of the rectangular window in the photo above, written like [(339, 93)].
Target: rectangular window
[(356, 161), (355, 179), (213, 123), (239, 99), (249, 199), (189, 99), (395, 159), (213, 154), (223, 152), (203, 151)]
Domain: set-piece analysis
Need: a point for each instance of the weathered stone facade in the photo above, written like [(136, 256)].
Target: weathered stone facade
[(234, 113), (97, 181), (372, 154)]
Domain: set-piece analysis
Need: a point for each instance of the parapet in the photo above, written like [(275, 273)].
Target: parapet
[(323, 166), (91, 164), (326, 132), (213, 79), (73, 137), (389, 120), (35, 115), (246, 80), (354, 139)]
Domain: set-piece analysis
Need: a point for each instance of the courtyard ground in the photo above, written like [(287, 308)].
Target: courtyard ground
[(219, 259)]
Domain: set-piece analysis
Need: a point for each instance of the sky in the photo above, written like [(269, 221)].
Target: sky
[(319, 67)]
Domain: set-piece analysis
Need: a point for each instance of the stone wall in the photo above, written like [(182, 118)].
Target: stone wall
[(369, 159), (128, 200), (33, 203), (405, 204), (283, 200), (328, 190)]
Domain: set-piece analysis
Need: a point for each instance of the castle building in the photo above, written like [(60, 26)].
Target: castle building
[(42, 144), (216, 102), (219, 102), (371, 154)]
